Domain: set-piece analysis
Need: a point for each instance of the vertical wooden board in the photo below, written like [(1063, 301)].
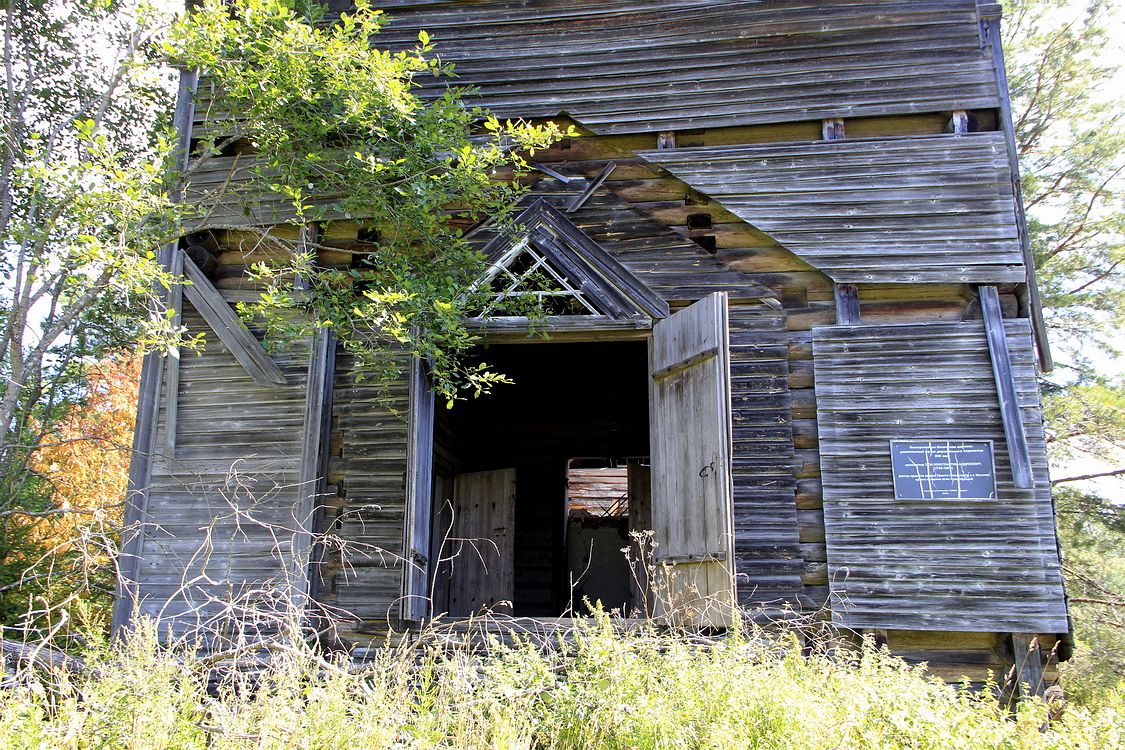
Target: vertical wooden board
[(640, 523), (1029, 664), (692, 493), (313, 462), (482, 577), (419, 500), (847, 304)]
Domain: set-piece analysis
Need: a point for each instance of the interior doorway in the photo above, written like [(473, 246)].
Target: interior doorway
[(508, 531), (607, 505)]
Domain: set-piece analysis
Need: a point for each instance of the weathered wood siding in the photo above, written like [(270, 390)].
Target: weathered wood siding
[(621, 66), (233, 191), (973, 565), (766, 545), (220, 527), (370, 435), (913, 209), (709, 113)]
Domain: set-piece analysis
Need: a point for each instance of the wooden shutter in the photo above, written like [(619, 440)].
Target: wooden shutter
[(484, 508), (691, 465)]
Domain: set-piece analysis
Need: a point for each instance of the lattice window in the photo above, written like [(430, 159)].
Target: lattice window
[(525, 280)]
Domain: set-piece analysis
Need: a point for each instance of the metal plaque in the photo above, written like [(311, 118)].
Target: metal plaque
[(943, 469)]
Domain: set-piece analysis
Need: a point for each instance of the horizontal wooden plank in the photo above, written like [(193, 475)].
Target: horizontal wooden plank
[(888, 210), (962, 565), (620, 67), (767, 554)]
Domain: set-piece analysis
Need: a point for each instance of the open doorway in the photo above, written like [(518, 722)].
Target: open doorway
[(607, 501), (507, 526)]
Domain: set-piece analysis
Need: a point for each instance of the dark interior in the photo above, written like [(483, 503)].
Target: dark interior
[(566, 401)]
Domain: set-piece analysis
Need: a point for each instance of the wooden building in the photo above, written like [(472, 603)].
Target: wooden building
[(798, 337)]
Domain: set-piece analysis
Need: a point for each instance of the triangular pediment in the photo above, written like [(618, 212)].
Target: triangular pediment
[(553, 267)]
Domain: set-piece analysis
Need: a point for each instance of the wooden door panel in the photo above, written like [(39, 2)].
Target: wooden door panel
[(481, 577), (692, 492)]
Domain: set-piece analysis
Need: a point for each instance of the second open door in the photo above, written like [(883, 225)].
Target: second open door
[(692, 491)]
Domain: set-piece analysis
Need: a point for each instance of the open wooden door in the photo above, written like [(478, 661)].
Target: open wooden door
[(482, 543), (692, 491)]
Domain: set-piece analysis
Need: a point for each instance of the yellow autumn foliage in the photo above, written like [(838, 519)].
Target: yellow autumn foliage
[(85, 456)]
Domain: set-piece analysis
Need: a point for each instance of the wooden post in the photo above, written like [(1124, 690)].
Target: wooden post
[(833, 129), (847, 304), (847, 295), (417, 568), (1014, 434), (960, 122), (1029, 665), (640, 523)]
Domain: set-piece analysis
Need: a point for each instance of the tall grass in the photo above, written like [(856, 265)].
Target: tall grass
[(603, 689)]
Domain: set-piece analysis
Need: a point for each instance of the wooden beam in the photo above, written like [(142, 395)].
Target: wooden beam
[(579, 201), (1029, 665), (148, 403), (847, 304), (314, 460), (582, 327), (1018, 451), (206, 299), (553, 173), (959, 122), (990, 26), (172, 360)]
